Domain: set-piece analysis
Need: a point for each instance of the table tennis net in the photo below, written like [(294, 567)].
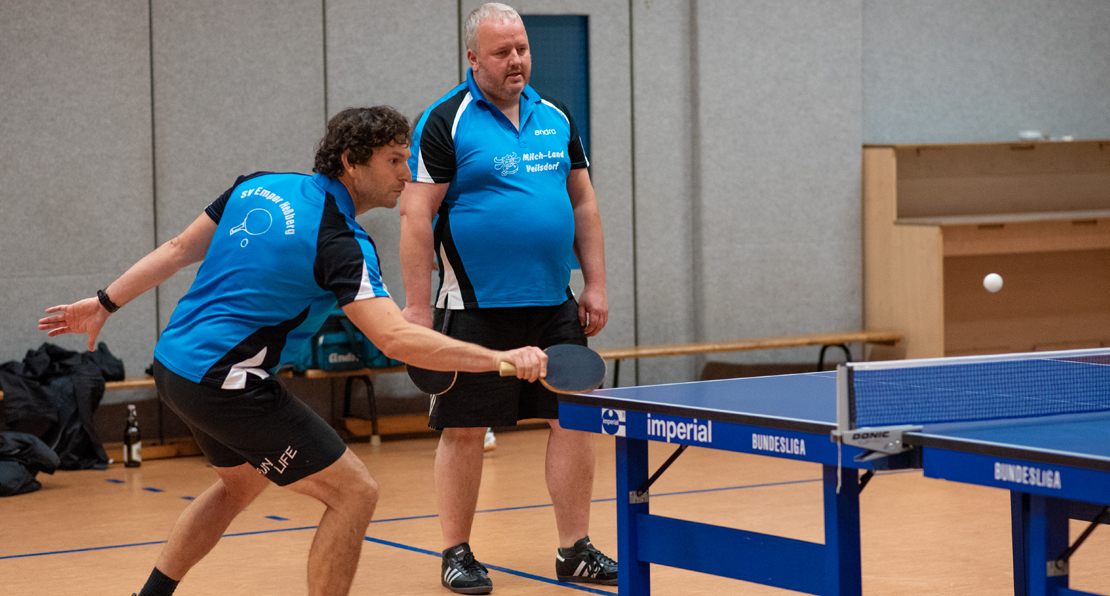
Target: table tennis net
[(965, 390)]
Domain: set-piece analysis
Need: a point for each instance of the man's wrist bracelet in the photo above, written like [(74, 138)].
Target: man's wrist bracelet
[(106, 302)]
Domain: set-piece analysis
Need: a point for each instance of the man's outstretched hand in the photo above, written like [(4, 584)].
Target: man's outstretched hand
[(86, 316)]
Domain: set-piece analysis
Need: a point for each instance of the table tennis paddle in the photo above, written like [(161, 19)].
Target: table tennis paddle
[(570, 369), (435, 382)]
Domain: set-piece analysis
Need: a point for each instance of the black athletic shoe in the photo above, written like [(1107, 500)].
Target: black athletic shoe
[(462, 573), (585, 564)]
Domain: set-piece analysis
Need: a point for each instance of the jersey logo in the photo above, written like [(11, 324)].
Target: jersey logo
[(237, 376), (257, 222), (508, 164)]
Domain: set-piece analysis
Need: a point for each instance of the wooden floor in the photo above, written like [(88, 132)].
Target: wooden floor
[(99, 532)]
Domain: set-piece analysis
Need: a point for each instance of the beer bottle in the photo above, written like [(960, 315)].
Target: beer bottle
[(132, 440)]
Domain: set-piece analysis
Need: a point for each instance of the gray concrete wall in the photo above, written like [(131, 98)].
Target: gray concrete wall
[(747, 186), (238, 88), (952, 71), (726, 137), (76, 176), (665, 210), (778, 168)]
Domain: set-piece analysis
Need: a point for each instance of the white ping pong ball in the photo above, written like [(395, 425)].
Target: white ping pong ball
[(992, 282)]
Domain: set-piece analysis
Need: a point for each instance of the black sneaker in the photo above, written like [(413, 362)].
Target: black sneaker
[(585, 564), (462, 573)]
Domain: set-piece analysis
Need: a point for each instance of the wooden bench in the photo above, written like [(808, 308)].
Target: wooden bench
[(825, 340)]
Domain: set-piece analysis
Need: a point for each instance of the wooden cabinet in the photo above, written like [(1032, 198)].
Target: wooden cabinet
[(938, 218)]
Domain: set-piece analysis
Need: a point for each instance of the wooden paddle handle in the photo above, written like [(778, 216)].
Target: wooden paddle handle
[(507, 369)]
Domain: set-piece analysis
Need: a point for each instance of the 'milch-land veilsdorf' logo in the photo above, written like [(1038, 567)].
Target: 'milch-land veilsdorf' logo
[(507, 165), (612, 422)]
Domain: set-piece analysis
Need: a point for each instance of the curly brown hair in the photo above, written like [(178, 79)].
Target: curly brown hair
[(359, 131)]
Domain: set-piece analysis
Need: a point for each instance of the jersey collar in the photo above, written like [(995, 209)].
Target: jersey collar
[(528, 98), (336, 189)]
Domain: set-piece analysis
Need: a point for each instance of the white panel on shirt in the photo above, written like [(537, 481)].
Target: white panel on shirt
[(422, 174), (553, 106), (450, 296), (458, 113), (365, 289)]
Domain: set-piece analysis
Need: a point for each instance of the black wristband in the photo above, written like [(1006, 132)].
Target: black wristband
[(106, 302)]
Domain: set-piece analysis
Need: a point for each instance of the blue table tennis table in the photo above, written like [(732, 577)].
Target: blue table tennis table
[(1054, 459)]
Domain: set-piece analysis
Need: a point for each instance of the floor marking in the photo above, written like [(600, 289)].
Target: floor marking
[(416, 517), (493, 567), (81, 550)]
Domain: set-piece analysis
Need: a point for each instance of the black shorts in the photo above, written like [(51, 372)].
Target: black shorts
[(262, 425), (488, 399)]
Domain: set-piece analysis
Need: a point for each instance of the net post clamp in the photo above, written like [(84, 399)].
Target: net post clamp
[(876, 441)]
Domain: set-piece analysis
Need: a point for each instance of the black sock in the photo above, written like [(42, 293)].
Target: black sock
[(158, 585)]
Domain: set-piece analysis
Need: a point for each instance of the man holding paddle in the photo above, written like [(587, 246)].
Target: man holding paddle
[(505, 172), (279, 252)]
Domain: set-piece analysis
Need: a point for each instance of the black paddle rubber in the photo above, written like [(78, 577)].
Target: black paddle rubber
[(570, 369), (435, 382)]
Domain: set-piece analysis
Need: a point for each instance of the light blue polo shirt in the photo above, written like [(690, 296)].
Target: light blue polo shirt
[(286, 250), (505, 230)]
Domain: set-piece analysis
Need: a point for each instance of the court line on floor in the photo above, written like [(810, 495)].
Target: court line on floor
[(430, 516), (539, 578)]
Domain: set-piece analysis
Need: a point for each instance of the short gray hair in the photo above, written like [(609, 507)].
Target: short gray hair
[(486, 11)]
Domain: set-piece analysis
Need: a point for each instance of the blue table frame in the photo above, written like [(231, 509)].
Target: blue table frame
[(772, 427), (1056, 469), (792, 416)]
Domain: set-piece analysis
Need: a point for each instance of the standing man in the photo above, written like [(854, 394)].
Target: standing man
[(505, 171), (280, 251)]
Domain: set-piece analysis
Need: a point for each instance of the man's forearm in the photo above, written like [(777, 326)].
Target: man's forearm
[(381, 321), (425, 348), (589, 243), (161, 263), (416, 261)]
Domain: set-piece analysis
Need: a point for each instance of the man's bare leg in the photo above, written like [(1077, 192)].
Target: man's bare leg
[(458, 476), (570, 481), (206, 519), (350, 495)]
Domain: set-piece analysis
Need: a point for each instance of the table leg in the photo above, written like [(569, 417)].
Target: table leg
[(1019, 530), (1040, 529), (842, 543), (632, 470)]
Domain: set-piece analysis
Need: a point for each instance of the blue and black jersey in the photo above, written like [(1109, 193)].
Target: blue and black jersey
[(505, 230), (286, 250)]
